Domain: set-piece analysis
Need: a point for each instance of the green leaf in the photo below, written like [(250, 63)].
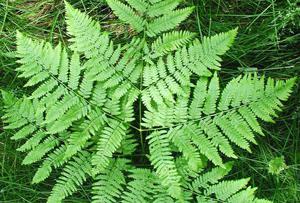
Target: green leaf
[(127, 14)]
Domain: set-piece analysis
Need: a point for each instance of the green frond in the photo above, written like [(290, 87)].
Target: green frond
[(163, 81), (75, 70), (38, 152), (210, 187), (206, 55), (162, 7), (53, 160), (73, 114), (246, 196), (110, 140), (45, 88), (53, 98), (204, 145), (90, 127), (217, 138), (74, 175), (233, 135), (140, 188), (109, 184), (238, 108), (63, 105), (8, 98), (36, 65), (199, 95), (87, 37), (162, 161), (211, 96), (64, 68), (170, 41), (127, 14), (211, 177), (24, 132), (183, 142), (33, 141), (223, 190), (251, 119), (99, 95), (139, 5), (128, 145), (168, 21)]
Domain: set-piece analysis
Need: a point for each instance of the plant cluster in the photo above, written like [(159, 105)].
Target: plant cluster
[(95, 104)]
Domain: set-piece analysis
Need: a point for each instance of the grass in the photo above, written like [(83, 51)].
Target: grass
[(268, 42)]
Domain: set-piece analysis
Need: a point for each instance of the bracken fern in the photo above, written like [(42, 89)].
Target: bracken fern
[(90, 103)]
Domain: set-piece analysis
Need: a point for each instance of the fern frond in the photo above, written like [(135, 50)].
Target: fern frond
[(168, 21), (225, 189), (128, 144), (127, 14), (55, 159), (109, 141), (87, 37), (211, 177), (224, 120), (169, 42), (64, 105), (212, 96), (75, 113), (75, 70), (183, 143), (109, 183), (33, 57), (140, 188), (199, 95), (139, 5), (33, 141), (74, 175), (77, 140), (210, 188), (245, 196), (206, 55), (38, 152), (239, 110), (204, 145), (162, 160), (162, 7), (163, 81), (217, 138)]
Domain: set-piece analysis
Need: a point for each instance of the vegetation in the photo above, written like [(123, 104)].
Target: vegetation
[(127, 115)]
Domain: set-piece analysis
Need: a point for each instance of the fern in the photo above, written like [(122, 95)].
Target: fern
[(109, 184), (74, 174), (162, 160), (94, 107)]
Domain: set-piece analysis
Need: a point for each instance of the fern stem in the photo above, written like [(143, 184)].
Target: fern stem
[(198, 19)]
